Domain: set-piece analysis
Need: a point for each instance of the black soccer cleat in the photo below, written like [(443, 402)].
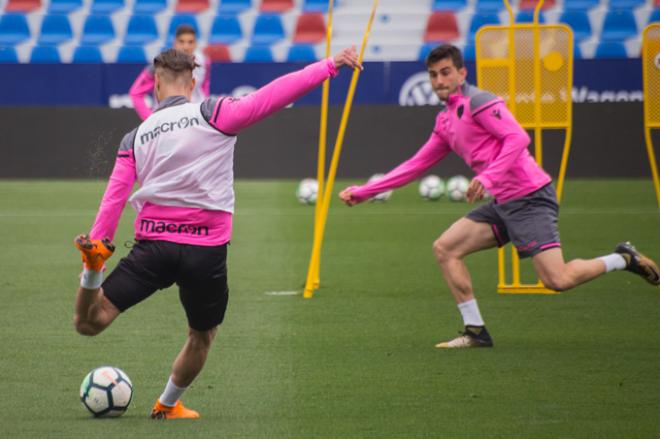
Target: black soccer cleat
[(472, 337), (638, 263)]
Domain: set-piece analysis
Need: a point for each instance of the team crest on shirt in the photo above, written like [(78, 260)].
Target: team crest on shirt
[(496, 113), (459, 111)]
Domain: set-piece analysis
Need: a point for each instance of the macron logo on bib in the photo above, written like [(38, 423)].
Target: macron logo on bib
[(166, 127)]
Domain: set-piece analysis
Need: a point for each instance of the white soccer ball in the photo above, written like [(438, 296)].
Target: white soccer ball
[(431, 187), (457, 187), (106, 392), (307, 191), (383, 196)]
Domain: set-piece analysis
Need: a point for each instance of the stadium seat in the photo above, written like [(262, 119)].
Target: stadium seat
[(424, 50), (87, 55), (489, 6), (579, 22), (226, 29), (577, 52), (625, 4), (531, 4), (611, 49), (656, 3), (217, 53), (64, 6), (448, 5), (315, 6), (148, 6), (441, 27), (527, 16), (45, 55), (194, 6), (55, 29), (470, 52), (258, 54), (106, 6), (301, 53), (479, 20), (178, 20), (98, 29), (8, 55), (580, 5), (234, 6), (141, 29), (22, 5), (276, 5), (131, 54), (655, 16), (268, 29), (618, 26), (13, 29), (310, 28)]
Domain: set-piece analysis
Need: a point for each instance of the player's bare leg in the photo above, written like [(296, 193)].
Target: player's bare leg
[(461, 239), (187, 365)]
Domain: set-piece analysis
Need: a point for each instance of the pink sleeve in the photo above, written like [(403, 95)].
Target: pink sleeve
[(116, 194), (206, 83), (143, 86), (499, 121), (434, 150), (232, 115)]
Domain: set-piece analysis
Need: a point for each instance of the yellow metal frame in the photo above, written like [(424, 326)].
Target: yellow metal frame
[(516, 286), (649, 124)]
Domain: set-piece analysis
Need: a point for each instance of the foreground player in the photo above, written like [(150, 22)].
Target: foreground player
[(478, 126), (182, 158), (185, 39)]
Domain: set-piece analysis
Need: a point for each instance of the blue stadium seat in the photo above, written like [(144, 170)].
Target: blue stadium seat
[(234, 6), (13, 29), (479, 20), (449, 5), (301, 53), (226, 29), (106, 6), (45, 55), (55, 29), (8, 55), (141, 29), (258, 54), (424, 50), (527, 16), (87, 55), (149, 6), (611, 49), (268, 29), (178, 20), (618, 26), (64, 6), (131, 54), (580, 5), (470, 52), (98, 29), (577, 52), (316, 6), (489, 6), (625, 4), (579, 22), (655, 16)]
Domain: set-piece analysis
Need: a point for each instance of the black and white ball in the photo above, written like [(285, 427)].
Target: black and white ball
[(431, 187), (106, 392), (457, 188), (307, 191)]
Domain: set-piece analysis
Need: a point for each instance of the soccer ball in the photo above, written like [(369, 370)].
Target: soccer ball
[(106, 392), (457, 187), (431, 187), (307, 190), (383, 196)]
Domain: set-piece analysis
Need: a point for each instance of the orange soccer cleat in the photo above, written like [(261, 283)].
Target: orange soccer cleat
[(94, 251), (161, 411)]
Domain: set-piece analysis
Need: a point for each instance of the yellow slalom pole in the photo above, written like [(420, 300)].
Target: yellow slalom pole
[(327, 192), (323, 130)]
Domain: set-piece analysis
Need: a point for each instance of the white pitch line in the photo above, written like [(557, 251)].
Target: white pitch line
[(282, 293)]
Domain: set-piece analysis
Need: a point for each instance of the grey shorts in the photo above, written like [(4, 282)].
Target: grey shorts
[(529, 222)]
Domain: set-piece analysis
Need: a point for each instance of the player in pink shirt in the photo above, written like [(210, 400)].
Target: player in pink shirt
[(182, 159), (478, 127)]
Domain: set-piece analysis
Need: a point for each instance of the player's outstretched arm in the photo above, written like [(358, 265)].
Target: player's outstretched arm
[(231, 115)]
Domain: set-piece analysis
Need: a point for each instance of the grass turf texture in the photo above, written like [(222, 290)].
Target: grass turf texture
[(358, 359)]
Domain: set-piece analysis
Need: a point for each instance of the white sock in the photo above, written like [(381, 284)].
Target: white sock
[(613, 262), (91, 279), (171, 394), (471, 314)]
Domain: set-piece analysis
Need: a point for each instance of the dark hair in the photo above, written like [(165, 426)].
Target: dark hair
[(445, 51), (185, 29), (175, 61)]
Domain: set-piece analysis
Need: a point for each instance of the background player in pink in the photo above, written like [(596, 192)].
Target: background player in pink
[(478, 127), (182, 158), (185, 39)]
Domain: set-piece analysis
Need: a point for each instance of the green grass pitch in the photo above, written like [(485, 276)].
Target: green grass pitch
[(356, 361)]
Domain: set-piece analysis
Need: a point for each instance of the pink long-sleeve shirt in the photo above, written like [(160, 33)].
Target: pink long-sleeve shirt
[(478, 127), (229, 116)]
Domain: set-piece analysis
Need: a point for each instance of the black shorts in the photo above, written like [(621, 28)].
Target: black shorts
[(529, 222), (200, 272)]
